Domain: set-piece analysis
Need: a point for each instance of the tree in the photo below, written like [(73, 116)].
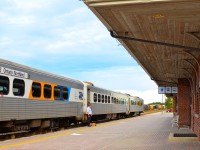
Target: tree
[(156, 103), (168, 103)]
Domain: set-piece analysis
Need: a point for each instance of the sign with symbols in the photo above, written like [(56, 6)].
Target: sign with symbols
[(174, 89), (161, 90), (167, 90)]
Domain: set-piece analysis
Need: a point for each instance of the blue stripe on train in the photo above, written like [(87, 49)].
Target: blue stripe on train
[(69, 92)]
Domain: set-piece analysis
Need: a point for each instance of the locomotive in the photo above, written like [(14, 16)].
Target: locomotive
[(31, 99)]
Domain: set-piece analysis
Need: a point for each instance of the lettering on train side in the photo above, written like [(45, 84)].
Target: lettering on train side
[(12, 72), (81, 95)]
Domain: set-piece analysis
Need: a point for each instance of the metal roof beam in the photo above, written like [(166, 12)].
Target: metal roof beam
[(153, 42)]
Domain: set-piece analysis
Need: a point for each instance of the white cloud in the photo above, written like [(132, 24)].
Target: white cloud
[(148, 96), (30, 4), (17, 54), (89, 33), (118, 78), (52, 34), (5, 41), (78, 12), (21, 20)]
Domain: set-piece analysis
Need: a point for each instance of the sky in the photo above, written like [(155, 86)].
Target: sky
[(64, 37)]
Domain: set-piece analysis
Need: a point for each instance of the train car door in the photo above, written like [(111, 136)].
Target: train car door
[(129, 105), (88, 96)]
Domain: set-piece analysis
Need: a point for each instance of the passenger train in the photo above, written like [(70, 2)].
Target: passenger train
[(31, 98)]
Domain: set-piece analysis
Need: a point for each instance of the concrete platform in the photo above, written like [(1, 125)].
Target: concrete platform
[(147, 132)]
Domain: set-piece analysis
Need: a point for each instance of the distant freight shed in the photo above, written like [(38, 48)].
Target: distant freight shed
[(163, 36)]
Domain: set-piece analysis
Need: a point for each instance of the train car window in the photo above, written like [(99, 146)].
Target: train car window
[(4, 85), (115, 101), (132, 102), (112, 100), (36, 89), (80, 96), (18, 87), (106, 99), (102, 98), (47, 91), (95, 97), (65, 93), (57, 93), (99, 98)]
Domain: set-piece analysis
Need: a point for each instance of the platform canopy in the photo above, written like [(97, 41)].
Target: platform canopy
[(163, 36)]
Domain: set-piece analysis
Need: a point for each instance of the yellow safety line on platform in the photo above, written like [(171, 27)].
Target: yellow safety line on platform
[(58, 135), (34, 141)]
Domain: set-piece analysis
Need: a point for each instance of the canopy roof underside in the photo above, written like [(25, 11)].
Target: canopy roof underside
[(175, 22)]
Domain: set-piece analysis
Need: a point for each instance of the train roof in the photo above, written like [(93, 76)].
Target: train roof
[(92, 86), (38, 71)]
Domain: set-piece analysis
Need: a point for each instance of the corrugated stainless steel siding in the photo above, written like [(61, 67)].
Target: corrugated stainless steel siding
[(21, 109), (98, 108), (136, 108)]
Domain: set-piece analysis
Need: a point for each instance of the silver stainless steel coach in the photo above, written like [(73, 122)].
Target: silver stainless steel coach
[(31, 99)]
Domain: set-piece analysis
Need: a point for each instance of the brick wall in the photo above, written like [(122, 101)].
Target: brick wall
[(174, 104), (184, 102), (195, 115)]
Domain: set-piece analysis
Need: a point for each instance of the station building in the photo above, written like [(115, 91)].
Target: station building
[(163, 36)]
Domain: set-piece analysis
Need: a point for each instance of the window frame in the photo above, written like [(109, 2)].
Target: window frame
[(40, 93), (54, 91), (99, 98), (46, 90), (19, 86), (95, 97), (63, 93), (102, 98), (6, 83), (108, 99)]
